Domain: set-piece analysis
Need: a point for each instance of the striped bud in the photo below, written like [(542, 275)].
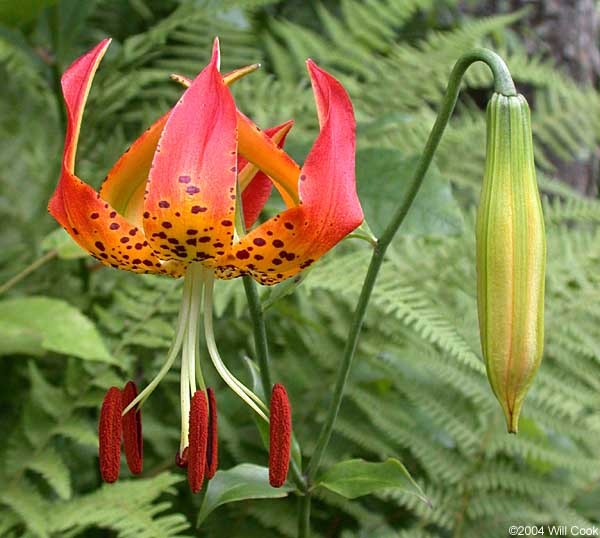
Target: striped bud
[(132, 431), (511, 256), (109, 435), (198, 441), (280, 435), (212, 447)]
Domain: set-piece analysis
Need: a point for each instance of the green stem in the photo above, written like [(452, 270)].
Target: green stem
[(260, 335), (502, 84), (28, 270), (304, 516)]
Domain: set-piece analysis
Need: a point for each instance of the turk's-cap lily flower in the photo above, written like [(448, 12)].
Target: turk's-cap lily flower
[(170, 200), (178, 203)]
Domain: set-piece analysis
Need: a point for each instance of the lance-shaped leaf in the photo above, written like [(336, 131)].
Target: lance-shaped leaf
[(355, 478), (246, 481)]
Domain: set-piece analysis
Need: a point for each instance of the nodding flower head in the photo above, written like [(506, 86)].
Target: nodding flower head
[(183, 201)]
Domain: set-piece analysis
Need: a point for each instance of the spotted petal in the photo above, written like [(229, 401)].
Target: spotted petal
[(329, 209), (190, 205), (91, 221), (255, 146), (125, 185)]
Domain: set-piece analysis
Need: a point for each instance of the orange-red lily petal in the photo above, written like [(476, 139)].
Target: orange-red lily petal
[(189, 208), (89, 219), (329, 207), (255, 185)]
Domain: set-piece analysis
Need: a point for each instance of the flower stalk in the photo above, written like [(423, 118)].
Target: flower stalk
[(503, 84)]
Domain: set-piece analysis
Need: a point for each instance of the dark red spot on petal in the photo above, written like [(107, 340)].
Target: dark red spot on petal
[(164, 204), (184, 179), (198, 209), (94, 216), (192, 189), (277, 243), (259, 242), (99, 245)]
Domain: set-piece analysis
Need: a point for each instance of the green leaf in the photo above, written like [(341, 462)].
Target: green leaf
[(50, 325), (22, 12), (18, 339), (355, 478), (383, 176), (66, 248), (53, 468), (29, 505), (246, 481)]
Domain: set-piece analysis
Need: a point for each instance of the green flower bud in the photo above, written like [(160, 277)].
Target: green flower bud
[(511, 256)]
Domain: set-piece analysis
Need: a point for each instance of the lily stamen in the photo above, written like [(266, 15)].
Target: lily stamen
[(234, 384), (132, 431), (180, 331)]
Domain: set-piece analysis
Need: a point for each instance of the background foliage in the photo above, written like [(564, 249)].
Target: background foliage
[(418, 390)]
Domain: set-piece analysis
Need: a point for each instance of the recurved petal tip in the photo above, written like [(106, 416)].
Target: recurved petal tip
[(216, 54)]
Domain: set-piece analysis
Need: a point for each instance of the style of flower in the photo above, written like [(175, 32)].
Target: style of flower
[(178, 203)]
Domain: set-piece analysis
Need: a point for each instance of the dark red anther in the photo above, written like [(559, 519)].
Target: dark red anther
[(280, 436), (181, 460), (198, 440), (109, 435), (132, 431), (212, 446)]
